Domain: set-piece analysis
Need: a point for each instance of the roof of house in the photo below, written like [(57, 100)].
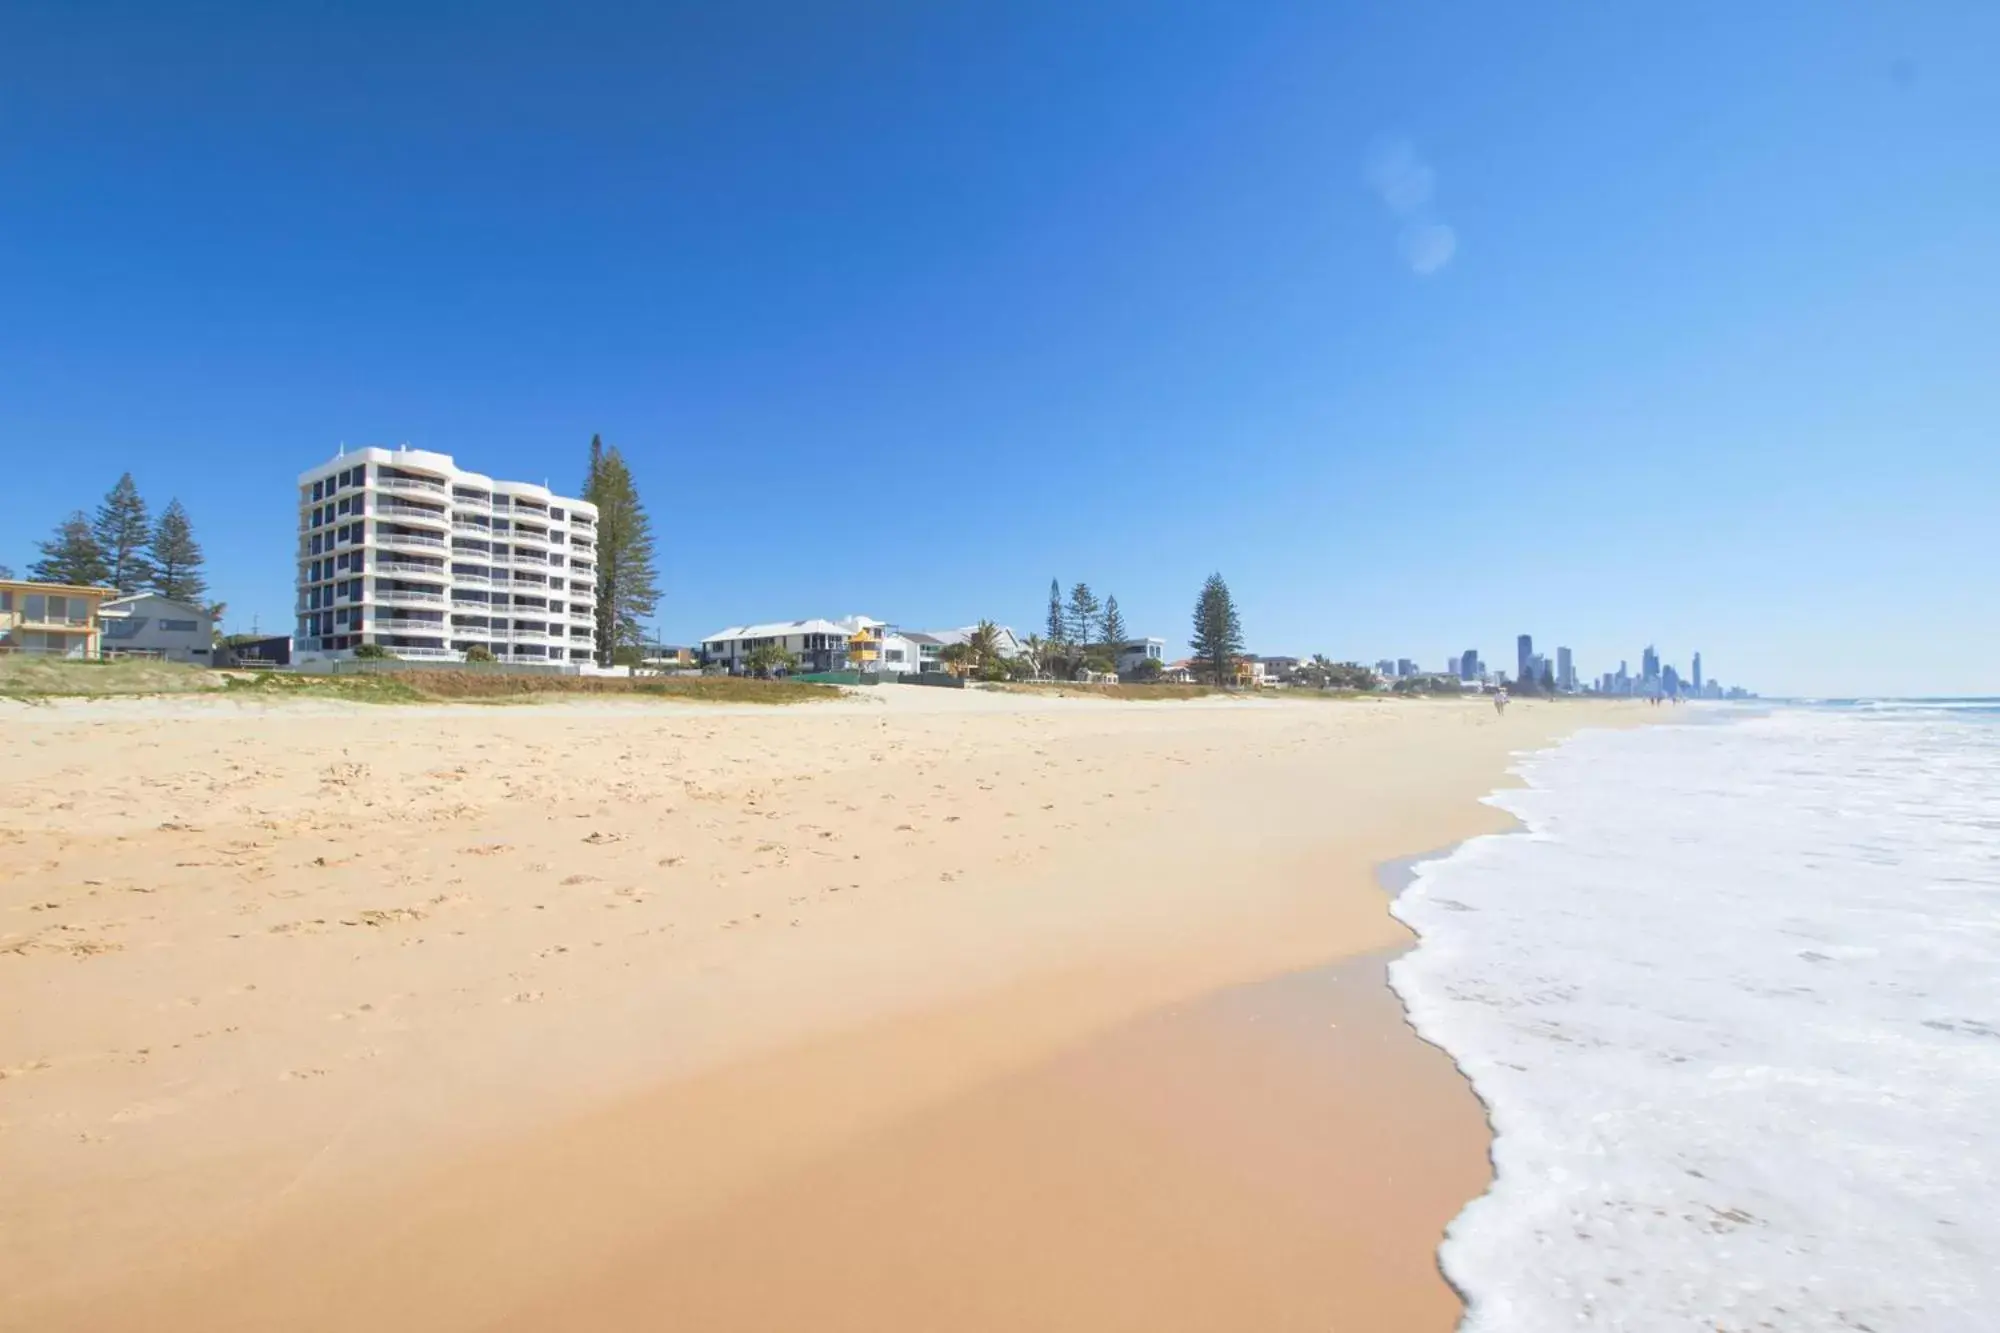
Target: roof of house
[(777, 629), (119, 606), (37, 586), (919, 637)]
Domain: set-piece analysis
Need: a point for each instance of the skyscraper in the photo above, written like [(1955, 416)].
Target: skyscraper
[(1468, 665), (1524, 654), (1649, 664), (1697, 675), (1565, 670)]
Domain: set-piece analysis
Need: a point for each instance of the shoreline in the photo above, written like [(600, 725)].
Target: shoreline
[(961, 994)]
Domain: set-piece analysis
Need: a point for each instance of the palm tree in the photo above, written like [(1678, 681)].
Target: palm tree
[(954, 656), (984, 645), (1033, 649)]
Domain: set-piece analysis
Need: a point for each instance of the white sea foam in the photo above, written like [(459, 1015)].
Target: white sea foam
[(1733, 1002)]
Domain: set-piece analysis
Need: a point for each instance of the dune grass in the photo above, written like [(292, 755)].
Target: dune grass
[(23, 676), (493, 687)]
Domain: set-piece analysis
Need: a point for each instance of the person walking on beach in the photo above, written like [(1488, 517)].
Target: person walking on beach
[(1500, 703)]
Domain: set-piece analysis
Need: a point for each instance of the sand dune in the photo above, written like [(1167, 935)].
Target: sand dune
[(286, 988)]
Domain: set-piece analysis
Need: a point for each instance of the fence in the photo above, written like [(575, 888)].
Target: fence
[(376, 666)]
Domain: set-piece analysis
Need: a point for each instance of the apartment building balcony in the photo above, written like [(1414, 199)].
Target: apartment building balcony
[(471, 529), (408, 485), (411, 569), (409, 513), (407, 597), (524, 561), (417, 541), (530, 536)]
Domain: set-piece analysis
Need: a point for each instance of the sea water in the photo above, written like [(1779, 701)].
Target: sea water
[(1732, 998)]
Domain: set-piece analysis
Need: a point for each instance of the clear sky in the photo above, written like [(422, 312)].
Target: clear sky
[(1426, 324)]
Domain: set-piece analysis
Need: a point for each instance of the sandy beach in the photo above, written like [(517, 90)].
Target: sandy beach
[(921, 1010)]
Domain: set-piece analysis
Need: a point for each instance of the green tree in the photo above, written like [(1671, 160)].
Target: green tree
[(1082, 614), (479, 652), (1058, 624), (983, 647), (124, 534), (1113, 628), (628, 590), (768, 659), (956, 657), (1218, 633), (1148, 670), (177, 559), (72, 556)]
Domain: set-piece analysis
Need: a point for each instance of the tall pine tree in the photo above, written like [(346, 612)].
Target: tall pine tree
[(628, 590), (71, 556), (123, 534), (1083, 614), (177, 557), (1114, 623), (1218, 634), (1058, 625)]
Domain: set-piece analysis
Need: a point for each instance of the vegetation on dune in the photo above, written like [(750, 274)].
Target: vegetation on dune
[(25, 676)]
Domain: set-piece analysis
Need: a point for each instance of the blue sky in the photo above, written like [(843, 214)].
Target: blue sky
[(1425, 324)]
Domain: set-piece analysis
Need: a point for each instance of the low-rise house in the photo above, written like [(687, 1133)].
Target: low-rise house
[(1133, 653), (52, 619), (815, 645), (149, 625), (1005, 641)]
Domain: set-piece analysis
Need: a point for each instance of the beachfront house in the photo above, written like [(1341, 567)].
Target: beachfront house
[(815, 645), (1132, 654), (51, 619), (149, 625)]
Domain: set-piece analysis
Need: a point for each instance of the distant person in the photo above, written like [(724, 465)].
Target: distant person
[(1500, 703)]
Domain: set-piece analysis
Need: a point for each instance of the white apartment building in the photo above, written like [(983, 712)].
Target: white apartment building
[(402, 548)]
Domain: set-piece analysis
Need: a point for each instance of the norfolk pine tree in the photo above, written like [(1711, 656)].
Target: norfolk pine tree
[(124, 535), (1218, 634), (1114, 625), (627, 589), (1083, 614), (176, 558), (71, 556)]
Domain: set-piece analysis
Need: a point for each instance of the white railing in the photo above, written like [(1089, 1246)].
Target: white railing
[(407, 567), (472, 529), (459, 577), (411, 484), (401, 510), (528, 561), (381, 538), (409, 595)]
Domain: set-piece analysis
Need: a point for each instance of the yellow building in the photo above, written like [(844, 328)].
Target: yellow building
[(51, 619)]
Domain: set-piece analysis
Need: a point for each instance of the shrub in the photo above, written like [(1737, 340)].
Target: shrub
[(479, 652), (372, 652)]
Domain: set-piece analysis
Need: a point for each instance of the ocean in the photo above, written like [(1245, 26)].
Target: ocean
[(1732, 999)]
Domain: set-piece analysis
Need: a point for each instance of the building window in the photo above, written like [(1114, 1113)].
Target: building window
[(346, 506), (347, 477), (319, 490), (181, 626)]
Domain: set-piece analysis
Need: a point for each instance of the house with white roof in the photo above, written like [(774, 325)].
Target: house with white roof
[(852, 643)]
